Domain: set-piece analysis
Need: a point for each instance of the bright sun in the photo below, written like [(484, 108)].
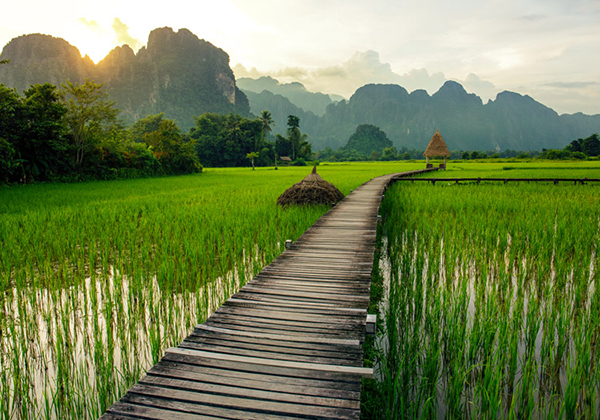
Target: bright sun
[(96, 46)]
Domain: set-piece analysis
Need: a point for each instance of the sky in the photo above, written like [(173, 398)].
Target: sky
[(547, 49)]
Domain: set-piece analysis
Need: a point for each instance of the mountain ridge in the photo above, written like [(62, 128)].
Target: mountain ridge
[(176, 73)]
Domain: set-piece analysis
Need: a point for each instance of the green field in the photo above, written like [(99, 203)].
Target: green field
[(98, 279), (491, 305)]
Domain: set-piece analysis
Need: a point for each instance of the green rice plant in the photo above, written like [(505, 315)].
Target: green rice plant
[(499, 281)]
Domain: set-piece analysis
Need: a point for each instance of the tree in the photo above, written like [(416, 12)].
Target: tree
[(293, 122), (175, 155), (283, 146), (225, 140), (43, 144), (389, 153), (144, 126), (267, 121), (575, 146), (297, 141), (90, 115), (368, 138), (252, 156), (591, 145)]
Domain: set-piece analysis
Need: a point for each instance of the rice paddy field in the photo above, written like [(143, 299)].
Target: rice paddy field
[(98, 279), (490, 307)]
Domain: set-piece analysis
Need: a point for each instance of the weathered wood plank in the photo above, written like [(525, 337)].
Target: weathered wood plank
[(249, 380), (320, 379), (240, 390), (258, 406), (353, 370), (173, 409), (284, 337)]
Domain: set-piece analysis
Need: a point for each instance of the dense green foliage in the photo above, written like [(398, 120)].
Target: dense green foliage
[(368, 139), (295, 145), (73, 133), (225, 140)]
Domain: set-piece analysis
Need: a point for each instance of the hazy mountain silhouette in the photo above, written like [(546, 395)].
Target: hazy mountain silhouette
[(314, 102), (512, 121)]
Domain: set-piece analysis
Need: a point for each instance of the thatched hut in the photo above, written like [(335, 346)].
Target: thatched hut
[(436, 148), (311, 190)]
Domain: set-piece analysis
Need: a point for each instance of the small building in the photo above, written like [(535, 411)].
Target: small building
[(436, 149), (285, 160)]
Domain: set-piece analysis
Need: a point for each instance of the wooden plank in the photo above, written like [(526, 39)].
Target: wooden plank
[(273, 324), (257, 406), (300, 306), (266, 291), (300, 300), (173, 409), (320, 379), (248, 380), (359, 371), (238, 390), (321, 348), (285, 330), (286, 316), (283, 337), (216, 343)]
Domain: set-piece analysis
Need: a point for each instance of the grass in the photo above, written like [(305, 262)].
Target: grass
[(98, 279), (491, 307)]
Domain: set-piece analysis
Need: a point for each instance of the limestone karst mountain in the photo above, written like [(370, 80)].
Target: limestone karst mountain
[(177, 73)]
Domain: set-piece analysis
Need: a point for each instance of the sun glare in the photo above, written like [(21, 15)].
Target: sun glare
[(95, 45)]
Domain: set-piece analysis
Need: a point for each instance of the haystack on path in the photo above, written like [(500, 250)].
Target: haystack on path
[(311, 190)]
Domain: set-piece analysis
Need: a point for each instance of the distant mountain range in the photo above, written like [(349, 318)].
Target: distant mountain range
[(184, 76), (512, 121)]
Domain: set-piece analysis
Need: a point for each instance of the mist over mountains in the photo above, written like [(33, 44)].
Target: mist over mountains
[(184, 76)]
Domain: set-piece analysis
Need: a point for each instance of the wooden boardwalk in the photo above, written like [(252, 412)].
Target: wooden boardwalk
[(575, 181), (288, 345)]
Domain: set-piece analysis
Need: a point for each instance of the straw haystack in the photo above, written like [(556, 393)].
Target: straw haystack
[(437, 148), (311, 190)]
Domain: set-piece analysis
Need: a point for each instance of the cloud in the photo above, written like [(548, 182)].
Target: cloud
[(483, 88), (568, 97), (360, 69), (572, 85), (122, 35), (532, 17), (92, 25)]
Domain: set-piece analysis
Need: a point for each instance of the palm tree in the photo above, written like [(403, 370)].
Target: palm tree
[(267, 121)]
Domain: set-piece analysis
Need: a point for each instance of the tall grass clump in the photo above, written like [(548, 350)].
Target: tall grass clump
[(492, 304)]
